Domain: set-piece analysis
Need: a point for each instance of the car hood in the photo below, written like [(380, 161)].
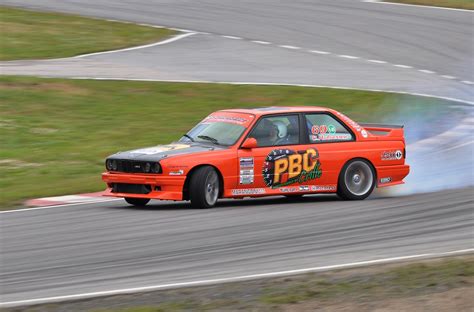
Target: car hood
[(159, 152)]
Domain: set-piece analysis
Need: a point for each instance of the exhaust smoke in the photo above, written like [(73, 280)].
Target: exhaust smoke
[(440, 147)]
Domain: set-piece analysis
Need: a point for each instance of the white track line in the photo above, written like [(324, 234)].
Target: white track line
[(417, 5), (426, 71), (468, 82), (268, 84), (377, 61), (348, 56), (261, 42), (231, 37), (231, 279), (402, 66), (173, 39), (289, 47), (319, 52), (63, 205), (448, 77), (182, 30)]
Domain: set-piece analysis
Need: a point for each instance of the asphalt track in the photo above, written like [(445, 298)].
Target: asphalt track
[(98, 247)]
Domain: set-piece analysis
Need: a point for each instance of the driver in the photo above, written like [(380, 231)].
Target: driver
[(279, 133)]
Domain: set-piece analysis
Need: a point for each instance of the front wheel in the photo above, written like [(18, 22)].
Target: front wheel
[(204, 187), (356, 180), (138, 202)]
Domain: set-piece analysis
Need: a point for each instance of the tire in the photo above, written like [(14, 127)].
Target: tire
[(137, 202), (204, 187), (356, 180)]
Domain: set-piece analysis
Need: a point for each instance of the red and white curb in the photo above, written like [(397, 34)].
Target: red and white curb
[(67, 199)]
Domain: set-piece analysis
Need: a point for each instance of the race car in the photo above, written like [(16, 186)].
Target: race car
[(237, 153)]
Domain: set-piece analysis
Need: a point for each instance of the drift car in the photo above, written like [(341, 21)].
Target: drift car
[(269, 151)]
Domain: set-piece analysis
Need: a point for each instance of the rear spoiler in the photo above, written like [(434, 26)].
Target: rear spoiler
[(386, 131), (374, 125)]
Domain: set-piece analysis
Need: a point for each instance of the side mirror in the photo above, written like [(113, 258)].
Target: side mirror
[(250, 143)]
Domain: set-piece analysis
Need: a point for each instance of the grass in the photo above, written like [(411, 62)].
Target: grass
[(458, 4), (414, 279), (367, 288), (34, 35), (55, 133)]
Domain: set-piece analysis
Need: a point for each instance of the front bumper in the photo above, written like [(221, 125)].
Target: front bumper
[(160, 186)]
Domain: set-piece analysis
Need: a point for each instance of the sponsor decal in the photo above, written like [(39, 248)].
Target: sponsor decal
[(214, 118), (304, 188), (392, 155), (246, 170), (364, 133), (332, 137), (283, 167), (177, 172), (159, 149), (288, 189), (307, 188), (254, 191), (323, 188), (246, 162), (349, 121), (327, 133), (386, 180)]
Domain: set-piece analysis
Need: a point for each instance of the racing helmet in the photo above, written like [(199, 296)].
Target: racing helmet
[(282, 128)]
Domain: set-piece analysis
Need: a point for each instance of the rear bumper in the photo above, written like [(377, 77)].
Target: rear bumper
[(391, 175), (161, 187)]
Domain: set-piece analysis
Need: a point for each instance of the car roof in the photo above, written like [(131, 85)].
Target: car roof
[(260, 111)]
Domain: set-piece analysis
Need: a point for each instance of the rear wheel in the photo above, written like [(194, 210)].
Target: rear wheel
[(204, 187), (356, 180), (138, 202)]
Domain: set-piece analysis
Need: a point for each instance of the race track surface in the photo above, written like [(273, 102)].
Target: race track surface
[(82, 249), (108, 246), (433, 47)]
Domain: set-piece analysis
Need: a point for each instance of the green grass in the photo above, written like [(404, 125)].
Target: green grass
[(55, 133), (458, 4), (34, 35)]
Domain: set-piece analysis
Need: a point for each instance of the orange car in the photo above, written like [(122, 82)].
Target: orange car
[(238, 153)]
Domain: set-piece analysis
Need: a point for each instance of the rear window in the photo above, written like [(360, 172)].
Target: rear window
[(325, 128)]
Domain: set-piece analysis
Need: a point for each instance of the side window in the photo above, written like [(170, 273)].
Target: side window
[(324, 128), (276, 131)]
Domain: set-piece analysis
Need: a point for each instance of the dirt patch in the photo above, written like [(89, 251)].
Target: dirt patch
[(47, 86), (43, 130), (460, 300), (17, 164), (7, 124)]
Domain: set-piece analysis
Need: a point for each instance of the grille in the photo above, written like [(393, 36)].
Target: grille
[(130, 166), (131, 188)]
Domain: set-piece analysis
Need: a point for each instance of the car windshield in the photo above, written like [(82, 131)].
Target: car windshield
[(215, 132)]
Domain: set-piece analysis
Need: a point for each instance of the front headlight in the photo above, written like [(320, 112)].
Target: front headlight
[(111, 164), (147, 167), (156, 168)]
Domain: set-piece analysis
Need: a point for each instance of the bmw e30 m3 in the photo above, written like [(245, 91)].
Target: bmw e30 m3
[(269, 151)]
